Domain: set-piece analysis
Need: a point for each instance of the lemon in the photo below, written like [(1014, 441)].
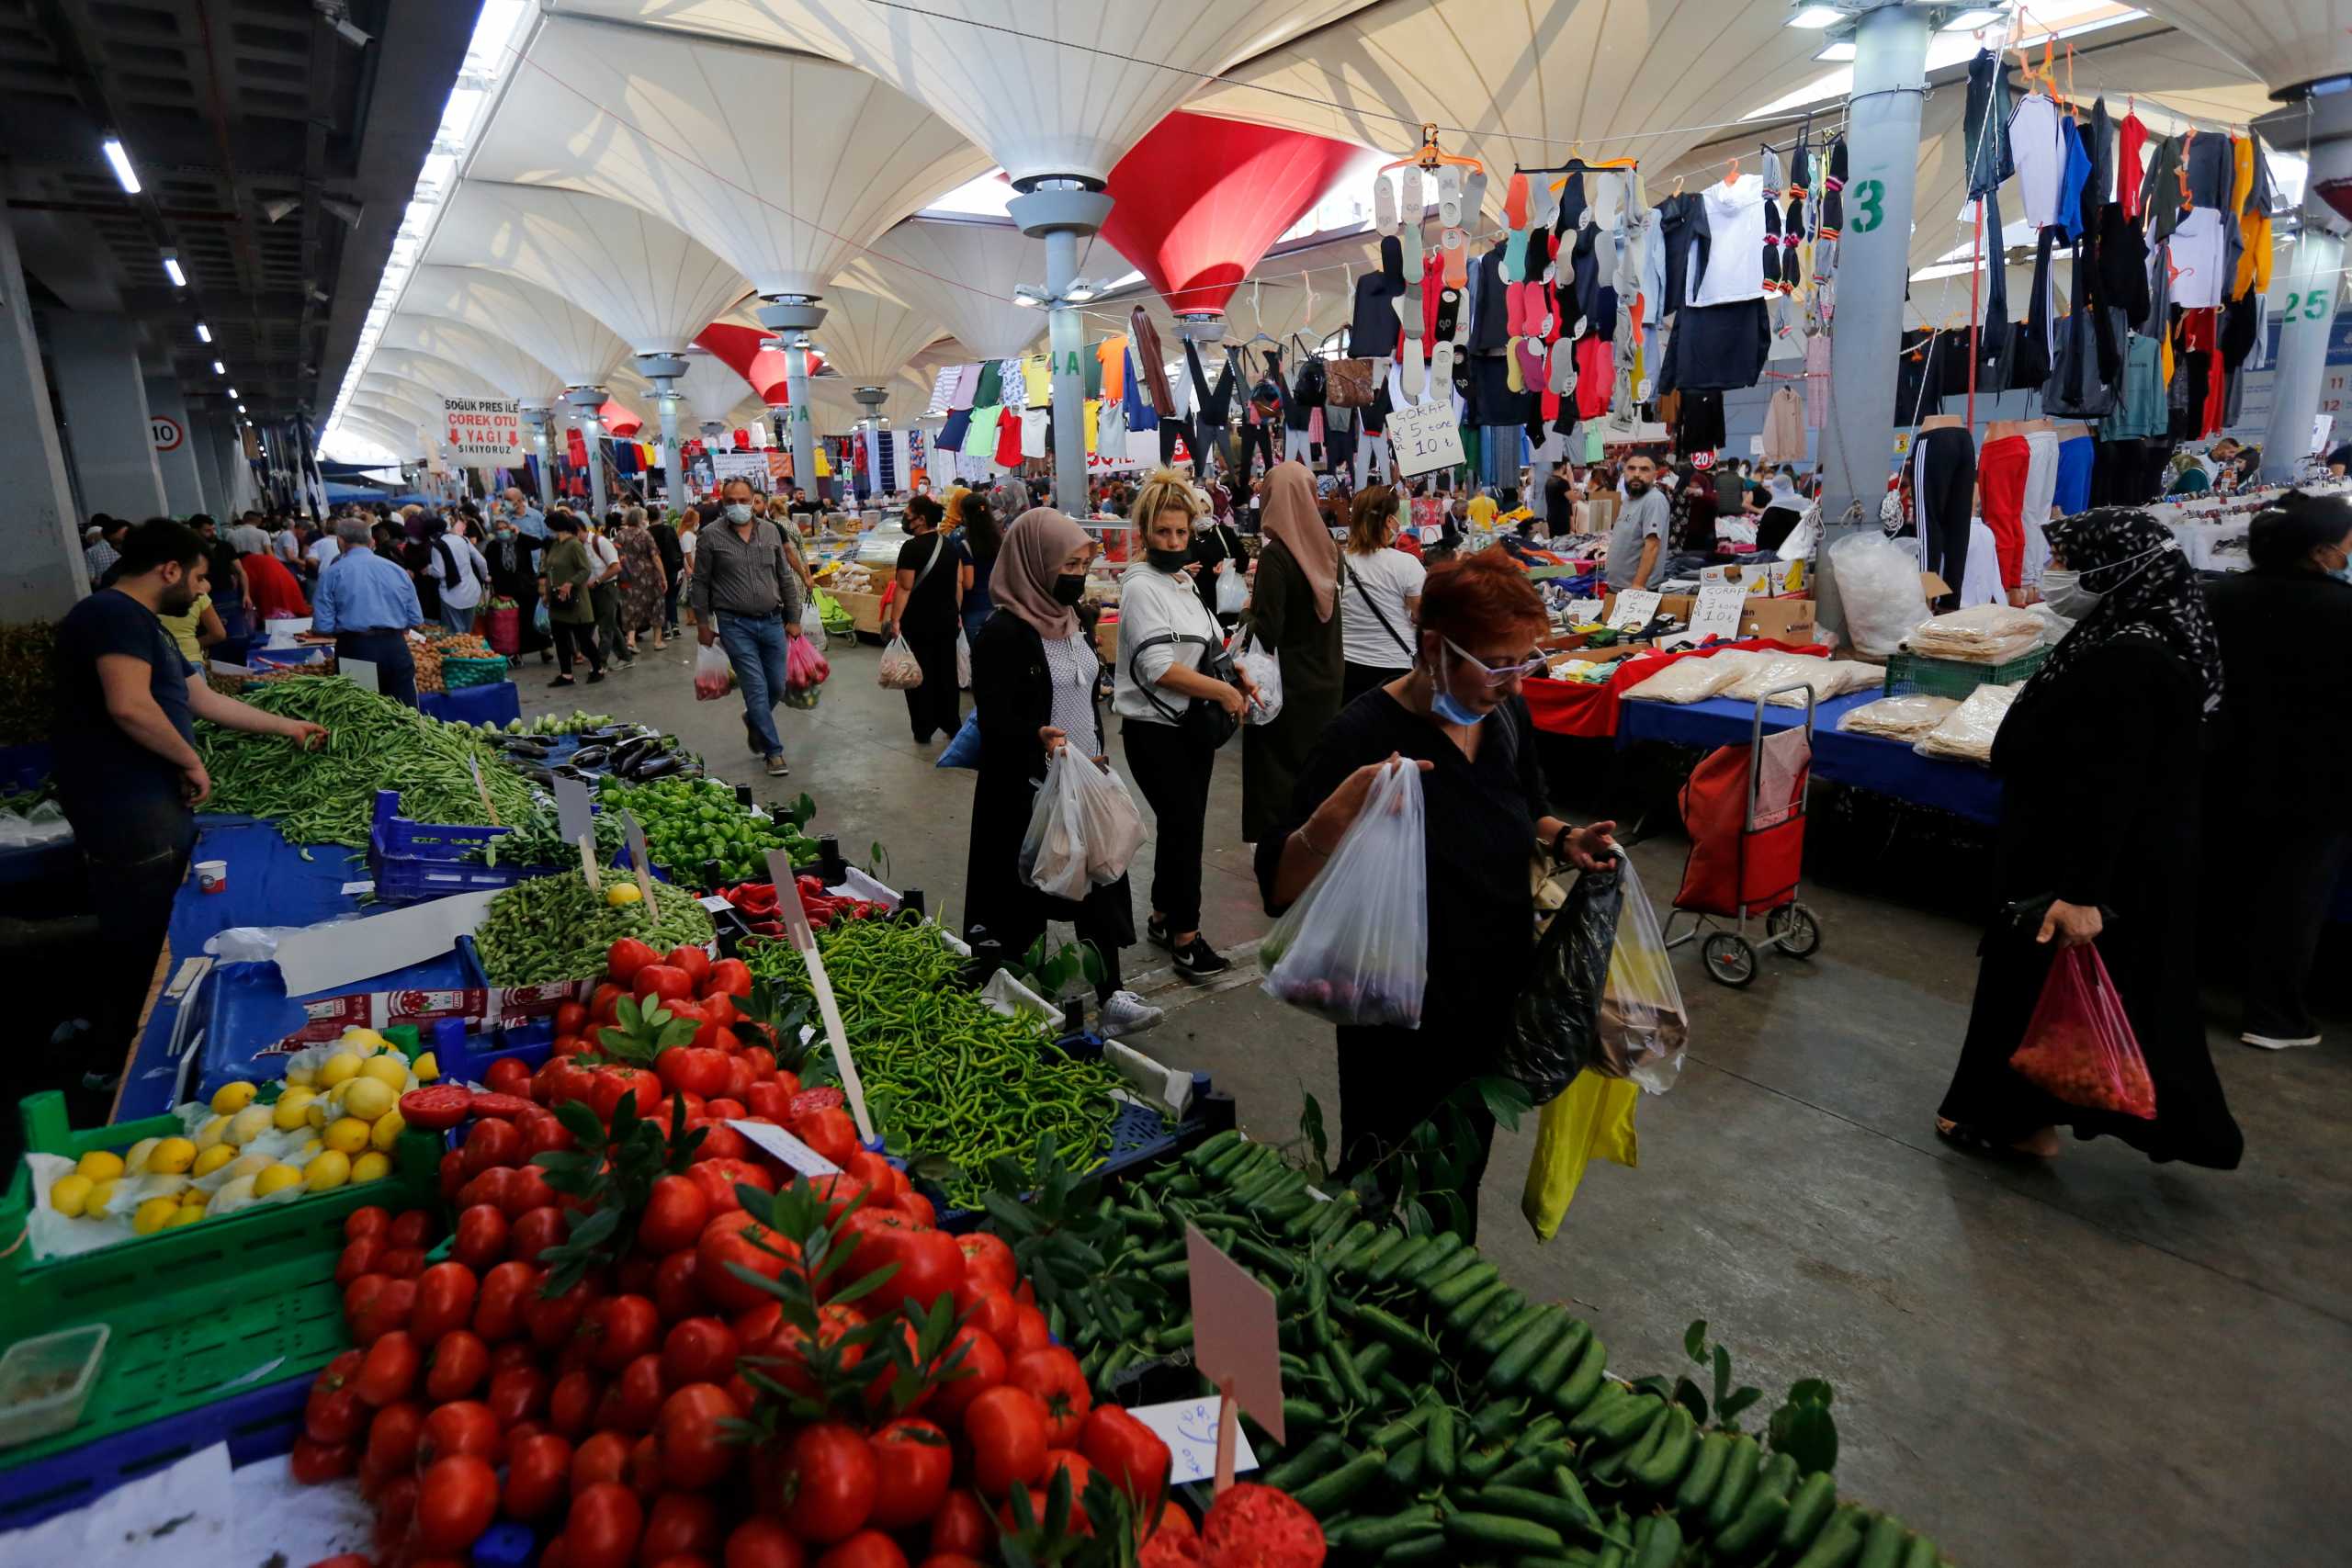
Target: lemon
[(387, 1132), (152, 1215), (197, 1196), (239, 1190), (366, 1042), (310, 1146), (250, 1124), (426, 1068), (134, 1159), (368, 1098), (391, 1070), (301, 1077), (185, 1214), (318, 1113), (231, 1098), (347, 1136), (371, 1166), (213, 1159), (99, 1165), (100, 1196), (211, 1133), (622, 894), (277, 1178), (69, 1196), (172, 1158), (292, 1110), (337, 1067), (329, 1169)]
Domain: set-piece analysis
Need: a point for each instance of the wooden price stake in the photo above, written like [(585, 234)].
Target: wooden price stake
[(1235, 1343), (475, 763), (641, 861), (795, 928)]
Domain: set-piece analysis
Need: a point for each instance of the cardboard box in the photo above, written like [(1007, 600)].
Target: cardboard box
[(1783, 620), (1106, 639), (865, 609)]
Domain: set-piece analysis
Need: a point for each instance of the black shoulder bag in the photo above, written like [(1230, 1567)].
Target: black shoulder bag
[(1203, 722), (1377, 614)]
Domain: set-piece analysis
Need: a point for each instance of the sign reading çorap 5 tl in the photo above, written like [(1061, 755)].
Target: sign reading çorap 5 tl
[(483, 433)]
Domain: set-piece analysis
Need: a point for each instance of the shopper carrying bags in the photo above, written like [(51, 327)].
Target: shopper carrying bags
[(1380, 589), (1292, 616), (931, 570), (1458, 716), (567, 574), (2099, 762), (1034, 670), (1178, 700), (746, 596), (606, 592)]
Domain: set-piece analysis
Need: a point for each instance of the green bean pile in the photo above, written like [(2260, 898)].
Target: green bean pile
[(553, 928), (328, 796), (941, 1071)]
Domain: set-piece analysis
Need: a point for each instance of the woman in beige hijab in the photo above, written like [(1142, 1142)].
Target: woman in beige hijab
[(1293, 615)]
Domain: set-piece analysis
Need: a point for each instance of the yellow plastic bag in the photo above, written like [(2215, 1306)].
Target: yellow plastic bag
[(1592, 1118)]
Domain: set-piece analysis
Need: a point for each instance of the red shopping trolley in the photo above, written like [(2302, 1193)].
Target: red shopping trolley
[(1744, 809)]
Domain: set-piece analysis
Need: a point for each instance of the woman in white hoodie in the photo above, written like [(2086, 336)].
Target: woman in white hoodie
[(1169, 645)]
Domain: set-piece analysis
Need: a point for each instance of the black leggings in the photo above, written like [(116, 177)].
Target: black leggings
[(1257, 438), (580, 638), (1174, 773), (932, 707), (1944, 499)]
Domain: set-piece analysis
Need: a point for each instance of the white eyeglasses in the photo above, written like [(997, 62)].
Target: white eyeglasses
[(1492, 677)]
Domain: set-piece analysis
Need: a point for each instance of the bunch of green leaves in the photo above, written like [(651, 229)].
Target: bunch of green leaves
[(1727, 1403), (1050, 972), (1804, 1428), (645, 1030), (784, 1012), (1038, 1541), (1422, 1180), (1801, 1427), (846, 1372), (613, 1170), (1061, 1241)]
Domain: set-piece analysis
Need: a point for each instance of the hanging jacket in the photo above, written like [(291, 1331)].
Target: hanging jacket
[(1374, 329), (1212, 408)]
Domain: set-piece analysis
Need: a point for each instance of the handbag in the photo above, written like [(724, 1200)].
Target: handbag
[(1204, 722), (1348, 383)]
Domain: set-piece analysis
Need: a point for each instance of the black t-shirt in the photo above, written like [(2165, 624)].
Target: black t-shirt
[(1558, 510), (931, 608), (96, 760)]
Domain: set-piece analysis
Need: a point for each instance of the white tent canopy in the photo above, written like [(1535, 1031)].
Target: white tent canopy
[(710, 387), (515, 373), (870, 331), (580, 349), (430, 371), (783, 164), (963, 274), (643, 279), (2279, 43)]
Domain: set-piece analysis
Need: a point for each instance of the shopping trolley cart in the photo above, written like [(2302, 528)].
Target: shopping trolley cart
[(1745, 808)]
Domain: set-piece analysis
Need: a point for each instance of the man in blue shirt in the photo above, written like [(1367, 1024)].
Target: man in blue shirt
[(368, 604), (528, 520), (127, 770)]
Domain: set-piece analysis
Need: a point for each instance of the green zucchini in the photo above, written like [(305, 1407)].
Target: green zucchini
[(1460, 1287), (1328, 1493), (1923, 1554), (1405, 1467), (1739, 1474), (1414, 1550), (1706, 1473), (1475, 1302), (1664, 1467), (1526, 1502), (1500, 1532), (1371, 1537), (1575, 1394), (1752, 1534), (1588, 1420), (1560, 1356), (1626, 1420), (1342, 1369), (1882, 1547), (1839, 1542), (1658, 1542), (1440, 1457), (1510, 1370), (1307, 1462), (1393, 1330), (1396, 1258), (1808, 1511), (1492, 1343)]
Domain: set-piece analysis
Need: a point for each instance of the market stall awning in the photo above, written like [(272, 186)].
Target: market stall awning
[(578, 348), (515, 373), (963, 273), (763, 369), (871, 331)]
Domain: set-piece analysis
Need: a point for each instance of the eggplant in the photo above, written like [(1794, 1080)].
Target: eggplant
[(660, 767), (626, 752), (589, 757)]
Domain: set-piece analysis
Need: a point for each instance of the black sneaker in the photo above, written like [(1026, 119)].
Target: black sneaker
[(1198, 959), (563, 680), (1156, 931), (596, 679)]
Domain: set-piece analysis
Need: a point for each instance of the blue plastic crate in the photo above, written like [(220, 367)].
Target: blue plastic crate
[(247, 1009), (21, 767), (255, 1423), (413, 862)]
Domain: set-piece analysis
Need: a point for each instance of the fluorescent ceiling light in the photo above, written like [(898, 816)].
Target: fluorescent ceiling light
[(203, 333), (123, 172), (219, 368), (1813, 17), (233, 391), (172, 269), (1969, 21), (241, 408), (1842, 49)]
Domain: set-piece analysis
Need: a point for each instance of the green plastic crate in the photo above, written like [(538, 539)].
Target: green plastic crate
[(1955, 678), (458, 673), (201, 1312)]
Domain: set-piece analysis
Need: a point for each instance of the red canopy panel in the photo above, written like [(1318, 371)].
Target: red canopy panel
[(1198, 201), (615, 419), (763, 367)]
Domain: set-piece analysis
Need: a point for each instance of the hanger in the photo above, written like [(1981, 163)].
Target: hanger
[(1678, 186), (1429, 157), (1731, 171)]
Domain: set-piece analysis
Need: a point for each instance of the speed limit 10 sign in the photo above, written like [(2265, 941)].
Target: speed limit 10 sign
[(167, 433)]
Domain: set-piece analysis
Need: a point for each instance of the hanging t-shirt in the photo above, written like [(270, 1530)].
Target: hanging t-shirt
[(1037, 379), (2033, 147), (1008, 438), (968, 382), (2199, 270), (1111, 354), (1094, 421), (1014, 383), (1735, 251), (980, 440), (1035, 431), (989, 391)]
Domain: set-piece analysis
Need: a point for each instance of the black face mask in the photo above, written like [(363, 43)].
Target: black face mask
[(1168, 560), (1069, 588)]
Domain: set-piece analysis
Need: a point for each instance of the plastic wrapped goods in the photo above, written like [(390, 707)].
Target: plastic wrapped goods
[(1982, 634), (1878, 586), (1909, 717), (1695, 679), (1827, 677), (1355, 949), (1967, 734)]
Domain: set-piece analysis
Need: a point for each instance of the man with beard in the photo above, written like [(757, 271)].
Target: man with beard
[(126, 771), (1638, 544)]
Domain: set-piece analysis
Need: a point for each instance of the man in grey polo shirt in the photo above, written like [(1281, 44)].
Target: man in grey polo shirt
[(747, 596), (1638, 544)]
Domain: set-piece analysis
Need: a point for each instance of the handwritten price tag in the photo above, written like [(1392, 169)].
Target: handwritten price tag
[(1189, 1429), (1716, 614), (1424, 438), (1634, 609)]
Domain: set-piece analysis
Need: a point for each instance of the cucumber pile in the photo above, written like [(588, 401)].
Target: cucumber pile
[(1437, 1416)]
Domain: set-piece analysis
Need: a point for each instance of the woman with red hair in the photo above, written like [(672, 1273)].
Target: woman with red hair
[(1458, 713)]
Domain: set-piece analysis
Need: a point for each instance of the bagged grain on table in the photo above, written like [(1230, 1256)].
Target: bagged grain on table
[(1695, 679), (1982, 634), (1908, 718), (1967, 734)]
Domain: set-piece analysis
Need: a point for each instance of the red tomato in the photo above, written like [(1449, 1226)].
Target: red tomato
[(916, 1207), (413, 1228), (619, 1329), (875, 1171), (571, 1018), (461, 1427), (714, 1035), (739, 1239), (1130, 1453), (539, 1475), (990, 1309), (555, 1320), (722, 1143), (679, 1007), (616, 1084), (1259, 1524), (1006, 1426), (533, 1233), (763, 1542), (492, 1143), (763, 1063), (1053, 1376), (698, 1350), (930, 1267), (507, 1075), (332, 1415), (1030, 1331), (731, 975), (602, 1528), (724, 1109), (766, 1100), (830, 1133), (873, 1236), (866, 1549), (680, 1524), (962, 1527), (526, 1188), (634, 1401), (389, 1371), (359, 1257), (663, 980), (571, 1403), (692, 960), (691, 1438), (719, 1008), (676, 1209), (624, 959), (315, 1462), (401, 1262), (394, 1435), (982, 1369), (374, 1304), (1072, 1461), (912, 1465), (601, 1457), (460, 1362), (831, 1478), (950, 1560), (689, 1070), (445, 1300), (455, 1501), (545, 1133), (1173, 1520), (738, 1077), (373, 1219), (675, 1288), (480, 1242), (498, 1305), (518, 1395), (720, 1177)]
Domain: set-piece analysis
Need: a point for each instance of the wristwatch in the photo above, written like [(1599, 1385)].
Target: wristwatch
[(1560, 841)]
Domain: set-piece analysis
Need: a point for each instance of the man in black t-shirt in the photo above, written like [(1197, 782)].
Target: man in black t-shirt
[(1559, 502), (126, 771)]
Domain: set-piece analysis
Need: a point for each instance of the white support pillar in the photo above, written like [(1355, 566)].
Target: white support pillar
[(663, 370), (104, 399), (792, 317), (173, 435), (1064, 213), (587, 400), (45, 574)]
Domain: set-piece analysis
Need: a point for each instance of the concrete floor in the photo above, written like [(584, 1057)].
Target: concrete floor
[(2098, 1362)]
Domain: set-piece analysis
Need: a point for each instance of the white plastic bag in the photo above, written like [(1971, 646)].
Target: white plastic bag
[(898, 672), (1985, 634), (963, 662), (1878, 590), (1697, 679), (1643, 1023), (1355, 948), (1232, 589), (1262, 667), (812, 625), (714, 676), (1906, 717), (1084, 829), (44, 825)]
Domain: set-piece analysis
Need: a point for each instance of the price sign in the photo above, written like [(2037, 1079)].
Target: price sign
[(1424, 437), (640, 861), (1635, 608), (1235, 1343), (361, 673), (1584, 611), (785, 1147), (1716, 614)]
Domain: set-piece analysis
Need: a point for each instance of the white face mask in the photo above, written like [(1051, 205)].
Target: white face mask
[(2064, 591), (739, 513)]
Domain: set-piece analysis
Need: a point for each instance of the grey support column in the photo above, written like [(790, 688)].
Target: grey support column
[(203, 439), (104, 399), (663, 370), (42, 535), (792, 317), (1065, 214), (539, 419), (587, 400), (1873, 266), (2313, 268), (173, 437)]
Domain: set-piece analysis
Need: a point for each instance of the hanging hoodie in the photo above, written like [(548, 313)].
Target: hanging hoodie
[(1373, 331)]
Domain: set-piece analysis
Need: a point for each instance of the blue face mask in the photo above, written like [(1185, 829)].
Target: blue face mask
[(1446, 707)]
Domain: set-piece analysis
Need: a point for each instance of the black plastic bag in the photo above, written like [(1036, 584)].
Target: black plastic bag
[(1556, 1027)]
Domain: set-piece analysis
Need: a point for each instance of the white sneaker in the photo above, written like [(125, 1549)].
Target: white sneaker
[(2269, 1042), (1126, 1013)]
